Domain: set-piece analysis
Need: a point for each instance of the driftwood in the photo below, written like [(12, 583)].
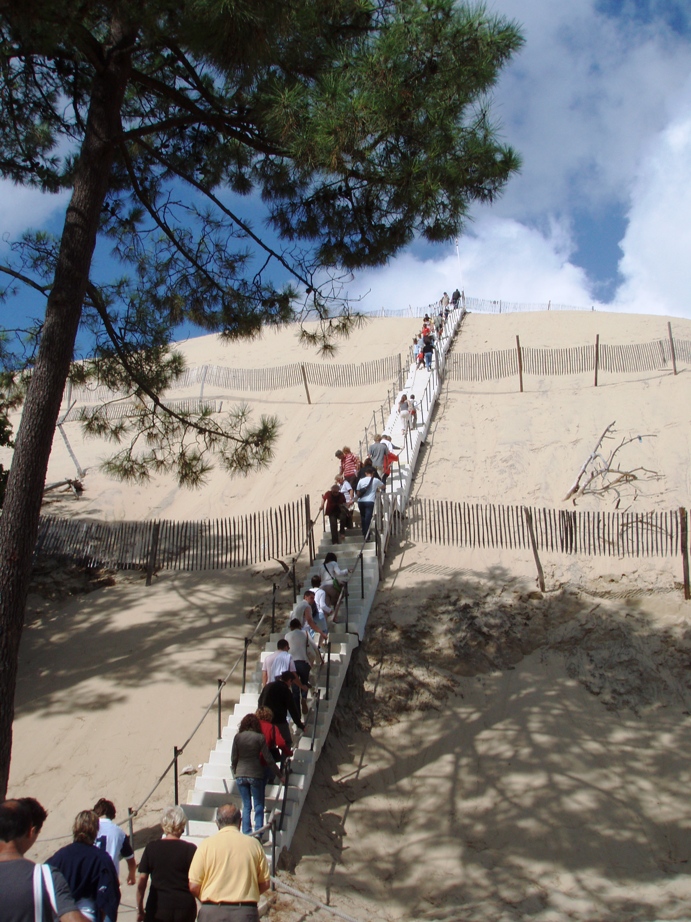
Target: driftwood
[(76, 486), (603, 474), (593, 455)]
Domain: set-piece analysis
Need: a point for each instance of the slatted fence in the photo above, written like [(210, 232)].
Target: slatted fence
[(565, 531), (572, 360), (125, 408), (487, 306), (203, 545), (281, 377)]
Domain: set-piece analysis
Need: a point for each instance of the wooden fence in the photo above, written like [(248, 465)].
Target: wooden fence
[(164, 545), (280, 377), (565, 531), (572, 360), (124, 408), (487, 306)]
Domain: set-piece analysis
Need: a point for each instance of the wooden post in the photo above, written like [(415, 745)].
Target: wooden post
[(176, 790), (597, 356), (221, 683), (304, 379), (520, 363), (671, 346), (531, 532), (310, 529), (684, 523), (153, 552)]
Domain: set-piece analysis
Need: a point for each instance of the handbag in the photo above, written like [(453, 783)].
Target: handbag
[(43, 881)]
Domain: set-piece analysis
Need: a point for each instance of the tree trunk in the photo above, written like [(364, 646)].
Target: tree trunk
[(20, 513)]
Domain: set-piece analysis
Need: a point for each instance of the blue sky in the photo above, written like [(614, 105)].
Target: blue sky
[(598, 103)]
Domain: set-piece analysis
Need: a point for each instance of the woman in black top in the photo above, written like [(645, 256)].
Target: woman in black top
[(167, 861)]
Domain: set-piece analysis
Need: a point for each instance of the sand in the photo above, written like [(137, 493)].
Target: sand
[(500, 753)]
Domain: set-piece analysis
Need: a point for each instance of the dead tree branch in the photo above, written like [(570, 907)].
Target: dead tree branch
[(604, 473)]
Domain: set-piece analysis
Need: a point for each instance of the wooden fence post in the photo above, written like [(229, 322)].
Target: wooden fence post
[(152, 552), (671, 346), (531, 532), (520, 363), (684, 535), (304, 379), (597, 355)]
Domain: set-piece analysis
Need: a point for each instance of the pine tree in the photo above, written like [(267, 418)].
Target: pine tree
[(359, 124)]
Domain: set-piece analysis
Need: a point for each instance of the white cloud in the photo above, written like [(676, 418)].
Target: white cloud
[(501, 260), (22, 208), (580, 100), (656, 263)]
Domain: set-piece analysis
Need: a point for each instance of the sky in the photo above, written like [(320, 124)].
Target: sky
[(598, 104)]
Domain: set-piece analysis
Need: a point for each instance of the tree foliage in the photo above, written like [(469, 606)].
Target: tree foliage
[(353, 125)]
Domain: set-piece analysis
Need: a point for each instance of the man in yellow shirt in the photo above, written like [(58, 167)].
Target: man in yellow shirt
[(229, 872)]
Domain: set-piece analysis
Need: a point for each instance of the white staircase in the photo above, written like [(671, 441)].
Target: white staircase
[(215, 786)]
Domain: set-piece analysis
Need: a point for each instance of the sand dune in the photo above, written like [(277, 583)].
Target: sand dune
[(500, 754)]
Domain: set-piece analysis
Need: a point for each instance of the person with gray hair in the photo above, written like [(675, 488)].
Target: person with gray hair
[(89, 871), (167, 862), (229, 872)]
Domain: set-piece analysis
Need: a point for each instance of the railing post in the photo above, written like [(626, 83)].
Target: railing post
[(273, 852), (328, 669), (362, 576), (176, 792), (244, 665), (316, 717), (273, 608), (221, 683), (295, 585), (286, 776), (308, 516), (130, 824)]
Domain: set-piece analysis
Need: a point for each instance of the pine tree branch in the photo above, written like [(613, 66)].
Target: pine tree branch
[(100, 307), (244, 227), (163, 225), (221, 121), (43, 289)]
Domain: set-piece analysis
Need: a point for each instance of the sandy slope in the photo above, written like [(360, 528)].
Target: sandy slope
[(501, 754)]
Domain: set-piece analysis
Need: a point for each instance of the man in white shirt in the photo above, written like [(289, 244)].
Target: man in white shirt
[(276, 663)]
